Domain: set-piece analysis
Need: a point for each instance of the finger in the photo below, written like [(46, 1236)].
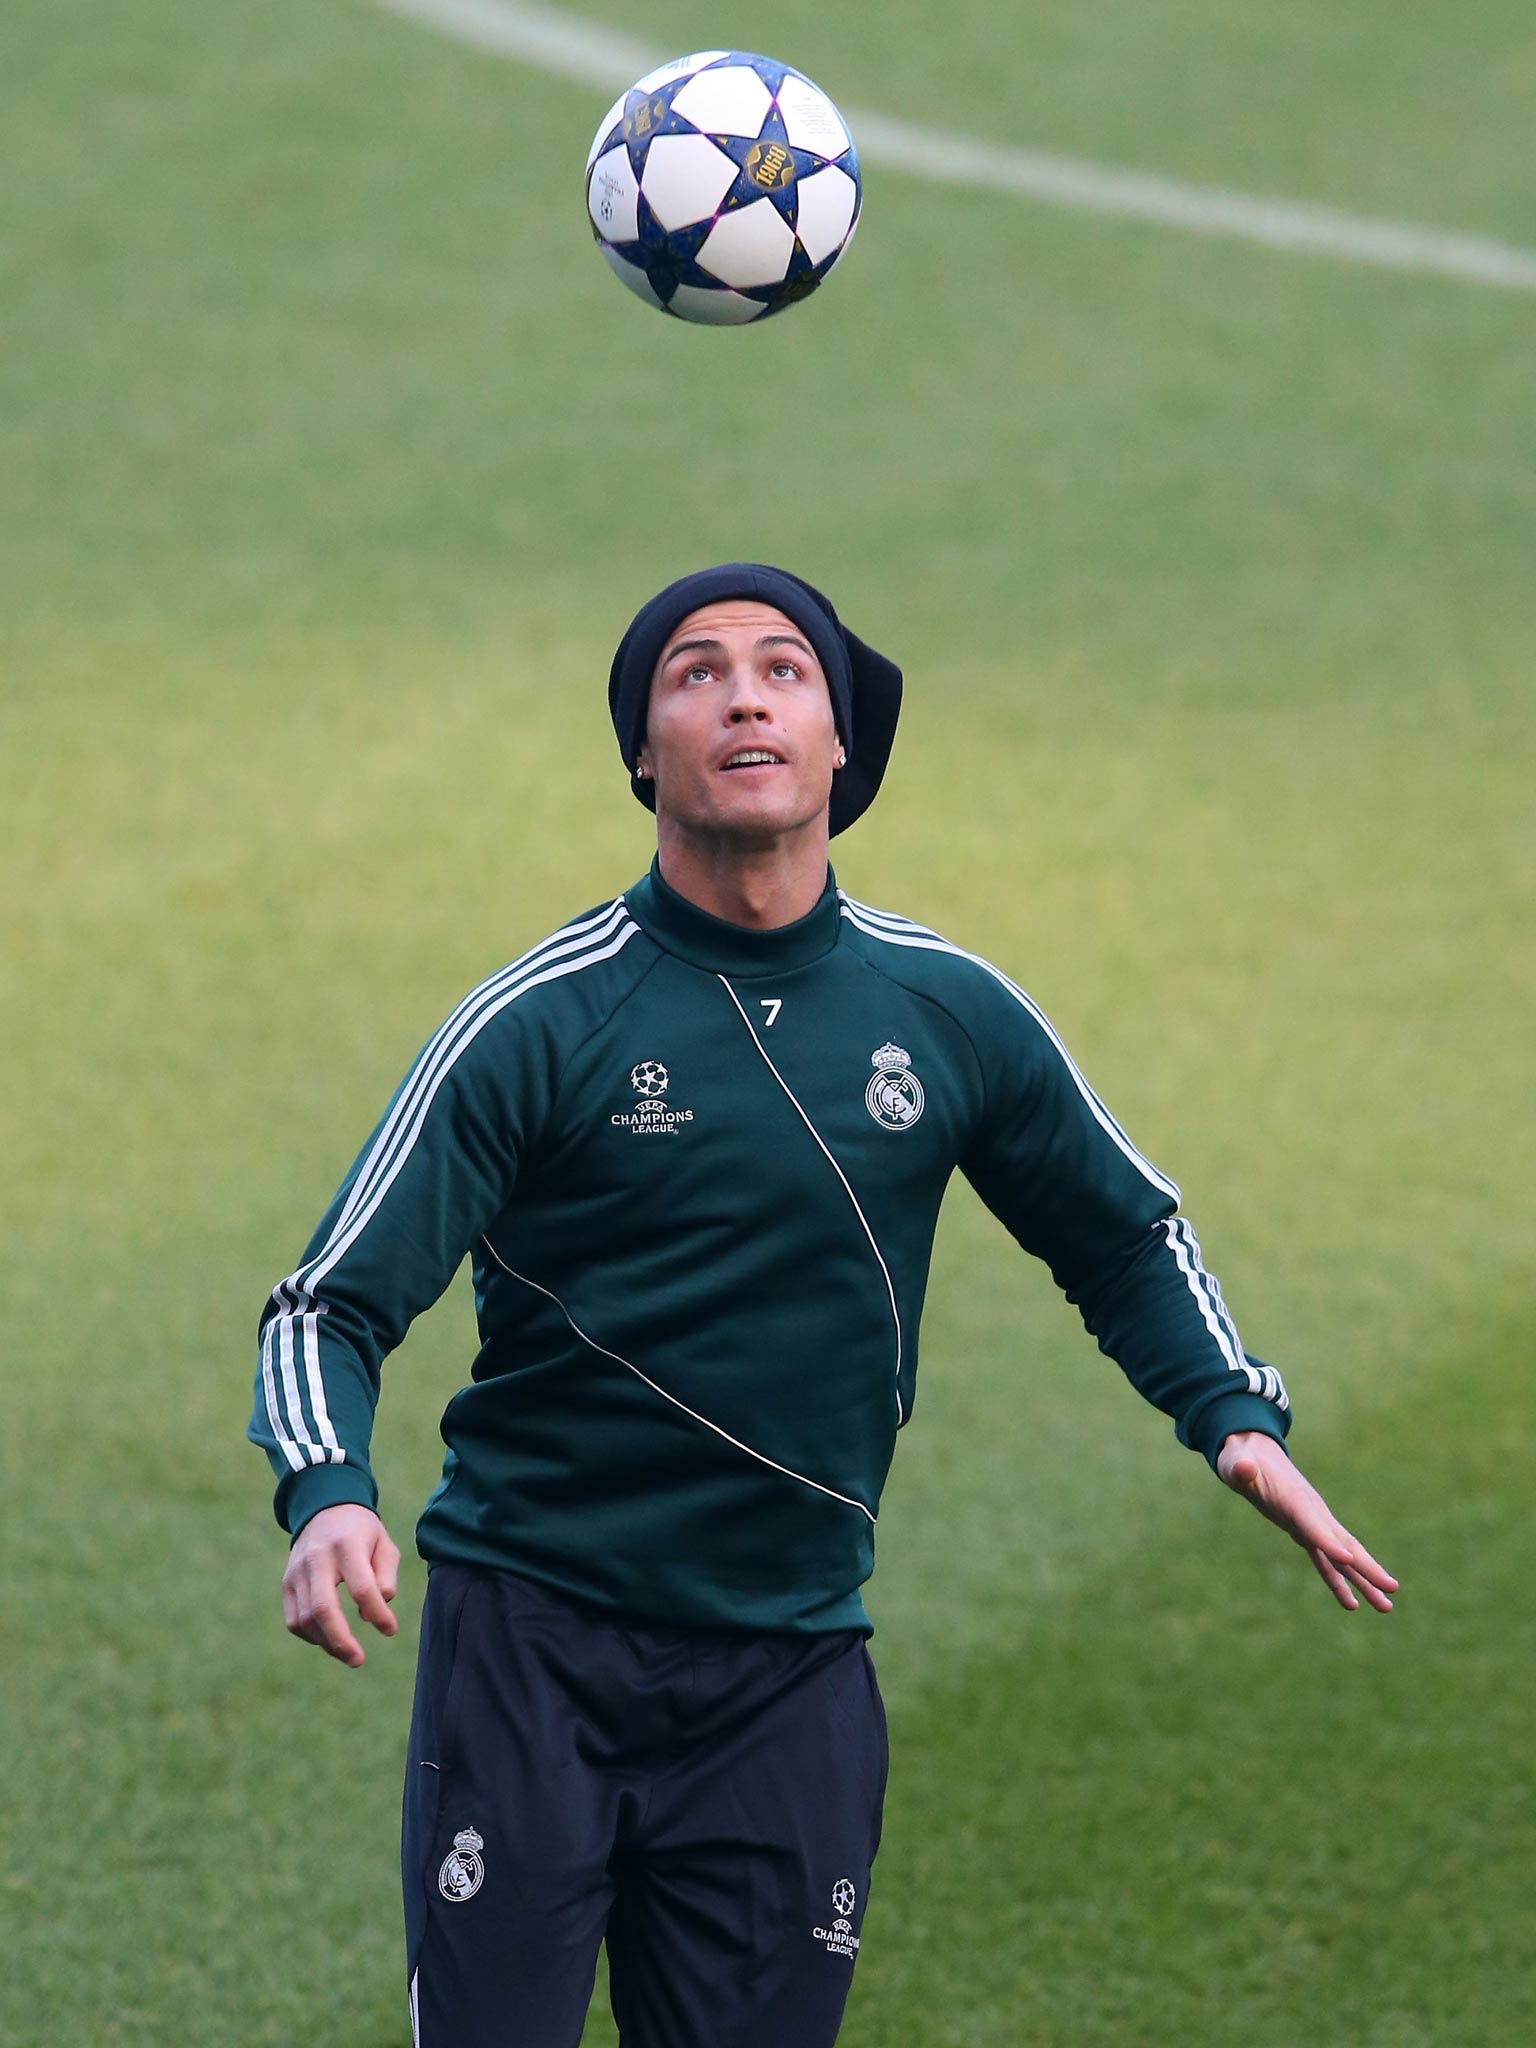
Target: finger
[(357, 1572), (320, 1609), (328, 1629), (296, 1606), (1293, 1504), (297, 1621), (386, 1565), (1334, 1579), (1354, 1558), (1364, 1563), (1372, 1592), (1242, 1473)]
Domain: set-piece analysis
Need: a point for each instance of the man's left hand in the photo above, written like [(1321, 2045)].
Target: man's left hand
[(1256, 1466)]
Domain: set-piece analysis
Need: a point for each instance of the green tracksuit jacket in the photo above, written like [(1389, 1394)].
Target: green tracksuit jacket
[(697, 1170)]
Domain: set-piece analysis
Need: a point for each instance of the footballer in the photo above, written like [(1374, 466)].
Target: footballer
[(694, 1144)]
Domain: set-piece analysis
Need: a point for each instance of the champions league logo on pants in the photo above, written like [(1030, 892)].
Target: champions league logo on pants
[(839, 1938)]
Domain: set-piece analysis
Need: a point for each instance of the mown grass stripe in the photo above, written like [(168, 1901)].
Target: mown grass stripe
[(589, 53)]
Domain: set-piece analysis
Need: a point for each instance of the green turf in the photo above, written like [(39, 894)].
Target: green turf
[(331, 461)]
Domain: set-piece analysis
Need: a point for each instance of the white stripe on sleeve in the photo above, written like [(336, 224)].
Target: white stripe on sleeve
[(285, 1442), (880, 924), (290, 1383), (337, 1247), (441, 1047), (316, 1383), (1188, 1261), (567, 952), (1262, 1380)]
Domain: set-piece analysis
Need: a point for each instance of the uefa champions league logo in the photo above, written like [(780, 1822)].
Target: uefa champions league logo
[(839, 1939), (651, 1117)]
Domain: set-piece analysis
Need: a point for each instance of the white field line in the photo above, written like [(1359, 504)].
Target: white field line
[(590, 53)]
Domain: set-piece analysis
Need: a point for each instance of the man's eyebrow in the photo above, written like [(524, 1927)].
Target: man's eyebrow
[(718, 646), (695, 647)]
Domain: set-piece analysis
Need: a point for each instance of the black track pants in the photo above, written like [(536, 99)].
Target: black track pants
[(708, 1803)]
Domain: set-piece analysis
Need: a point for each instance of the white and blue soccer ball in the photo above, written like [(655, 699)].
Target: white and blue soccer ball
[(723, 187)]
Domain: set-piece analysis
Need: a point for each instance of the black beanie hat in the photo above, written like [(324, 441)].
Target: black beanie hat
[(864, 686)]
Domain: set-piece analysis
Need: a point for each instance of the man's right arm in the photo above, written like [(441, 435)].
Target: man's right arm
[(438, 1168)]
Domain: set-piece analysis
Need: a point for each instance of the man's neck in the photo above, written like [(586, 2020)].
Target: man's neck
[(759, 887)]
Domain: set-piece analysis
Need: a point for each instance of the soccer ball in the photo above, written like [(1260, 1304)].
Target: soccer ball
[(723, 187)]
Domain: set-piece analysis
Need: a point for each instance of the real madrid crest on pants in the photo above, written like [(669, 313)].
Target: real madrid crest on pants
[(894, 1096), (462, 1873)]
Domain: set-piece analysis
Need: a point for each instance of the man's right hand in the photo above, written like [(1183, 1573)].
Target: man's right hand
[(342, 1546)]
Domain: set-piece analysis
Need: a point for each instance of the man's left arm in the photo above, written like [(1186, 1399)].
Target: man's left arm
[(1054, 1166)]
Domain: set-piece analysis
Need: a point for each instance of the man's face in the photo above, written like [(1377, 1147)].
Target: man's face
[(740, 736)]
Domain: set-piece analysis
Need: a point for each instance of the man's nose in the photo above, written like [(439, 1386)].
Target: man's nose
[(747, 698)]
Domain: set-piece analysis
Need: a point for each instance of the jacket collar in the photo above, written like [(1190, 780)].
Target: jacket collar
[(680, 927)]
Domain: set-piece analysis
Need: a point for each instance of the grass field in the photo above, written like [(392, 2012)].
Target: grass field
[(331, 463)]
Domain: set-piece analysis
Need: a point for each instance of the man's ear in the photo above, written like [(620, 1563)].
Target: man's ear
[(642, 766)]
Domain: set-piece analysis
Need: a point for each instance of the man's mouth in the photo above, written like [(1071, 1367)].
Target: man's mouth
[(753, 757)]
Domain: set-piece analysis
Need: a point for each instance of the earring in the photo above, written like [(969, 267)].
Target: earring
[(842, 759)]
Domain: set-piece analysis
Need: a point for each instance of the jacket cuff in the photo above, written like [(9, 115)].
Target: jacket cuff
[(303, 1494), (1209, 1428)]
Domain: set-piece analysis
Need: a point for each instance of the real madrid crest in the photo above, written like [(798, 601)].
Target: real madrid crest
[(462, 1873), (894, 1097)]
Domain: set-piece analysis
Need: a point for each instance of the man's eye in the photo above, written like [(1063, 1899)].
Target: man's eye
[(786, 668), (697, 674)]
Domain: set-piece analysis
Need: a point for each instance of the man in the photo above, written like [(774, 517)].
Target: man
[(695, 1144)]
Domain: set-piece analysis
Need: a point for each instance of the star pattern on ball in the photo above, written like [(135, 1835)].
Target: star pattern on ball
[(723, 188)]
